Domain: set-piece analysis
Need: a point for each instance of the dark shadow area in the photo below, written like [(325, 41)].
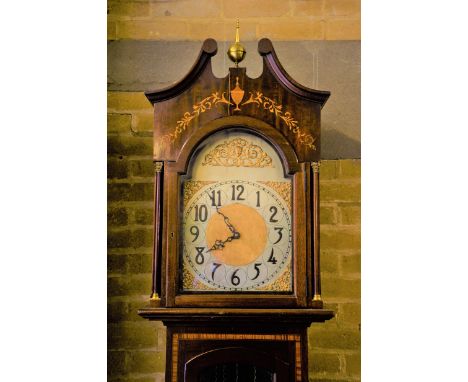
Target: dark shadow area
[(140, 66), (234, 372), (336, 145), (147, 65)]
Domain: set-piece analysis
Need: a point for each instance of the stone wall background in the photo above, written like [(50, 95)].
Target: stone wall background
[(314, 28), (193, 20)]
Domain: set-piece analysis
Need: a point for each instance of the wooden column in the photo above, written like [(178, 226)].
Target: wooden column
[(156, 268), (317, 299)]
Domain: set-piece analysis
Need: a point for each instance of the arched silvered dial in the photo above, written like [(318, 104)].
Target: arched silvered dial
[(236, 218)]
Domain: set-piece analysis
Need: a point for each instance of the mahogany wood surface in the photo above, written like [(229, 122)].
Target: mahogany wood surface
[(253, 316), (191, 347), (186, 107)]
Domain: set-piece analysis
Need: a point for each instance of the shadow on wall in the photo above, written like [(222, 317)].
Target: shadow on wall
[(137, 66), (336, 145)]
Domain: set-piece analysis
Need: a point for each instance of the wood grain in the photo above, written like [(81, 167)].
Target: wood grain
[(200, 97)]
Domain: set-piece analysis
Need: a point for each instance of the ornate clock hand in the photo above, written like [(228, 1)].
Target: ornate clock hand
[(235, 233), (219, 244)]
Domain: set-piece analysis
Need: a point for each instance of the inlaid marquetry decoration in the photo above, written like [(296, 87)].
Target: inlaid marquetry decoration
[(205, 104), (273, 107), (177, 337), (191, 187), (237, 152), (283, 189), (237, 95)]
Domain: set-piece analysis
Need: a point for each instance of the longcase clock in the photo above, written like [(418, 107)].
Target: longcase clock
[(236, 270)]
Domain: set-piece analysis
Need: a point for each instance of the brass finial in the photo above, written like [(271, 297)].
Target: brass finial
[(236, 52)]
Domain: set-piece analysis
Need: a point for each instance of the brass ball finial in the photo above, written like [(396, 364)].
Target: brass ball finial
[(236, 52)]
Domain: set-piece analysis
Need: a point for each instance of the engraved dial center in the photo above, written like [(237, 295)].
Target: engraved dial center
[(251, 227)]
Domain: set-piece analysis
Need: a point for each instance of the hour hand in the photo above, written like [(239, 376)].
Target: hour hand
[(220, 244)]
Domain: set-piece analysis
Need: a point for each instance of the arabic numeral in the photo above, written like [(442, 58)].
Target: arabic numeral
[(240, 190), (235, 280), (199, 258), (215, 267), (272, 258), (273, 211), (213, 196), (195, 232), (280, 234), (201, 213), (257, 269)]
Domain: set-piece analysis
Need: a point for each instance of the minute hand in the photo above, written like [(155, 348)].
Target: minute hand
[(235, 233)]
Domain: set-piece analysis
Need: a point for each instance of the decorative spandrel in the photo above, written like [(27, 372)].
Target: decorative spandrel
[(237, 152)]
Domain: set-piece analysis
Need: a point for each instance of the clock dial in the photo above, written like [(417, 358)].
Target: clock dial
[(237, 232)]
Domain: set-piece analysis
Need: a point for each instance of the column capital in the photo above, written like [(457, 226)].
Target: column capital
[(158, 166), (315, 166)]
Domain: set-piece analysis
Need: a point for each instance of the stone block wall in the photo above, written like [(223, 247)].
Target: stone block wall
[(136, 347), (194, 20)]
